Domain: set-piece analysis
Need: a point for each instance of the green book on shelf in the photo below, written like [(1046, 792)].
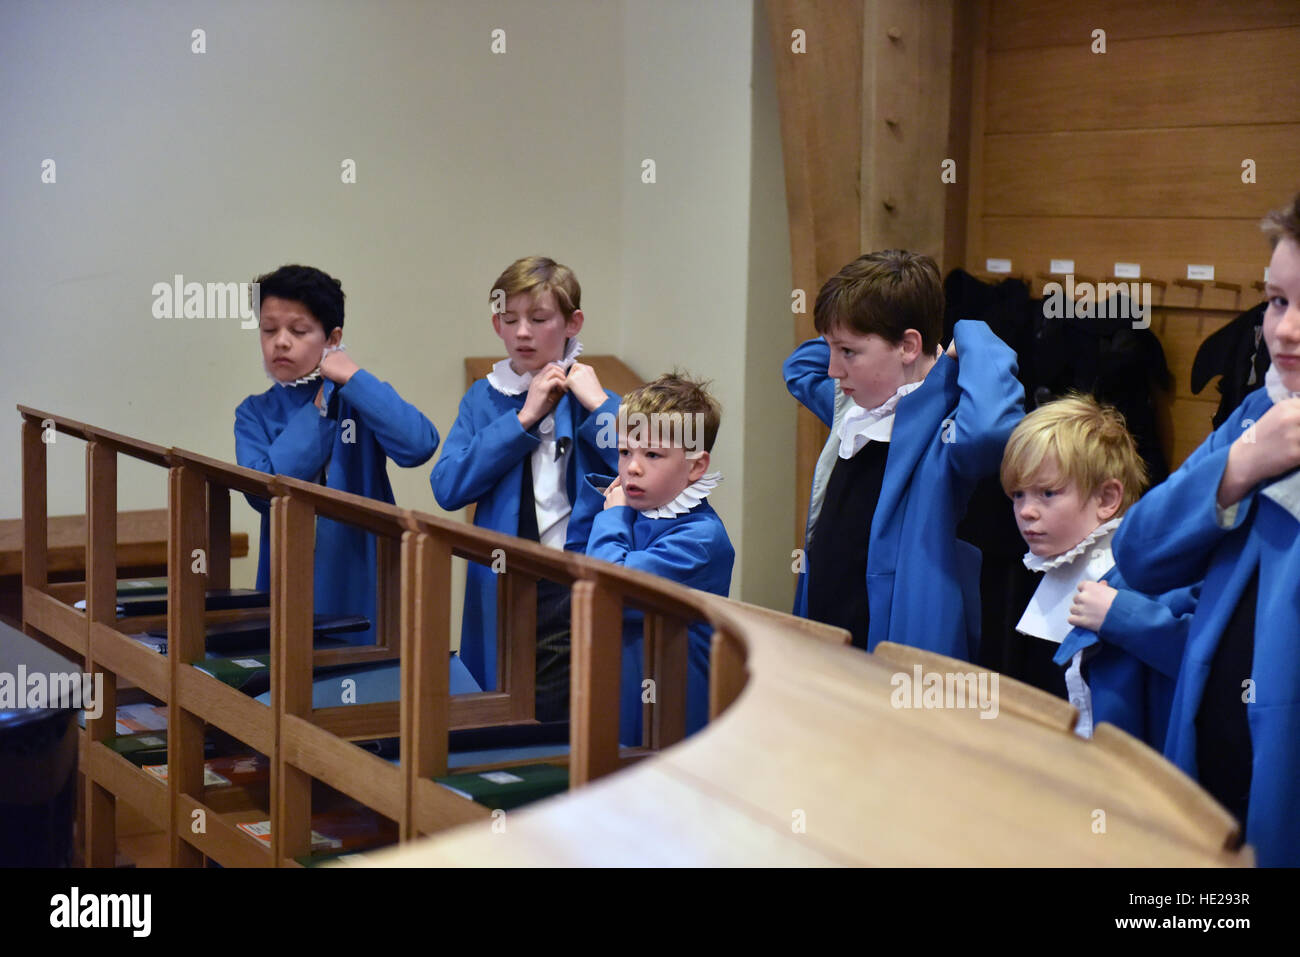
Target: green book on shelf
[(235, 672), (509, 788), (149, 747)]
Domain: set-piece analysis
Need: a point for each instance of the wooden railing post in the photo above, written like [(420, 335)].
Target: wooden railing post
[(665, 663), (186, 642), (517, 643), (101, 606), (218, 536), (426, 661), (292, 590), (727, 673), (35, 510), (595, 683)]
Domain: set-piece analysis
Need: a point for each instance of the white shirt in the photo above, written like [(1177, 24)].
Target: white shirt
[(861, 426), (550, 462)]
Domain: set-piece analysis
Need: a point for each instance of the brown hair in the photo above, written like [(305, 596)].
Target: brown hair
[(885, 293), (537, 274), (1283, 223), (1088, 442), (676, 395)]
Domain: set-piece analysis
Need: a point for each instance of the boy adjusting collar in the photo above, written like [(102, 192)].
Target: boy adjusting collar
[(861, 426), (509, 382), (1036, 563), (688, 498), (1046, 616), (310, 376)]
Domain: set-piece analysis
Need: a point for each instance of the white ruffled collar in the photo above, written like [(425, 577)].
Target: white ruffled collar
[(509, 382), (860, 426), (1101, 533), (310, 376), (690, 497), (1276, 390)]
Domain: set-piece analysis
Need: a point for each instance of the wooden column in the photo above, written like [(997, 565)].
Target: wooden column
[(595, 682), (101, 606)]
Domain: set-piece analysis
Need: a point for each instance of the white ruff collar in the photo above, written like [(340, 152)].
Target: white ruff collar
[(1036, 563), (1286, 490), (310, 376), (1276, 390), (860, 426), (1048, 613), (509, 382), (690, 497)]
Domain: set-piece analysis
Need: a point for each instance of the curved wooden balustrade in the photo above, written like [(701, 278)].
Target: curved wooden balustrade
[(811, 763)]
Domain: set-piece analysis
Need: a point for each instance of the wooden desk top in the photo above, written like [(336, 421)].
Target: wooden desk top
[(814, 740), (141, 541)]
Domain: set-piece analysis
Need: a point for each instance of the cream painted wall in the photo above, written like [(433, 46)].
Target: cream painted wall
[(223, 164)]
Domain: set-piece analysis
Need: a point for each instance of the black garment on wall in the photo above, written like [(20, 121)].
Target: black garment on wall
[(1239, 354)]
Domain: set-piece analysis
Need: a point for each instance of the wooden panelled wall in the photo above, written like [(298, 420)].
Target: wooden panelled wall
[(1131, 155), (1135, 154)]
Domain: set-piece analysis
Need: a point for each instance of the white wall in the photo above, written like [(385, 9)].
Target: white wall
[(225, 164)]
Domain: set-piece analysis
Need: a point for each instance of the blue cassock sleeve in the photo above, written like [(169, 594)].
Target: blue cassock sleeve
[(479, 450), (1153, 630), (992, 401), (808, 380), (299, 451), (675, 555), (1167, 539), (404, 432)]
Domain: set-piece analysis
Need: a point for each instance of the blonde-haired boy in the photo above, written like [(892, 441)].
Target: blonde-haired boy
[(655, 517), (523, 436), (1072, 469)]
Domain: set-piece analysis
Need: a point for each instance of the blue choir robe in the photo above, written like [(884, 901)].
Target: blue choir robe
[(482, 462), (365, 423), (1172, 538), (1139, 648), (692, 549), (922, 582)]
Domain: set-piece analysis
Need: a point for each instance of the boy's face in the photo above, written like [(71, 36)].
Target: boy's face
[(1282, 316), (293, 340), (534, 330), (868, 368), (653, 474), (1053, 516)]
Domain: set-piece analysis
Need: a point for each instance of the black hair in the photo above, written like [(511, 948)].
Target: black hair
[(321, 293)]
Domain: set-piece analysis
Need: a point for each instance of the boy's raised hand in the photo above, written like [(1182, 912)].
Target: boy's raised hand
[(546, 389), (338, 367), (614, 495), (1091, 602), (586, 387), (1269, 447)]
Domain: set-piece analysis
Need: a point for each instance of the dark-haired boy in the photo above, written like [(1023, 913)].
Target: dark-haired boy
[(912, 431), (325, 420)]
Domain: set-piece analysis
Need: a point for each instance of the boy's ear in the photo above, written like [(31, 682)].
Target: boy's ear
[(698, 467), (335, 337), (1110, 496), (573, 325), (911, 345), (496, 324)]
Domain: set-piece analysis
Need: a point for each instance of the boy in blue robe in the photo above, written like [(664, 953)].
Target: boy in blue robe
[(1072, 468), (522, 437), (655, 518), (912, 431), (325, 420), (1230, 515)]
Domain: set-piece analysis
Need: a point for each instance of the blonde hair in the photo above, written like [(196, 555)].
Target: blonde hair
[(676, 395), (536, 275), (1087, 441)]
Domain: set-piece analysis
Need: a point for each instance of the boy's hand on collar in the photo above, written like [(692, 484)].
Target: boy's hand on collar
[(544, 392), (585, 386), (338, 367)]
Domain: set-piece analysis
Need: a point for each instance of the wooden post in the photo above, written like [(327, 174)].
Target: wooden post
[(35, 510), (517, 643), (388, 592), (186, 642), (727, 673), (595, 683), (101, 606), (667, 650), (292, 557), (426, 659)]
